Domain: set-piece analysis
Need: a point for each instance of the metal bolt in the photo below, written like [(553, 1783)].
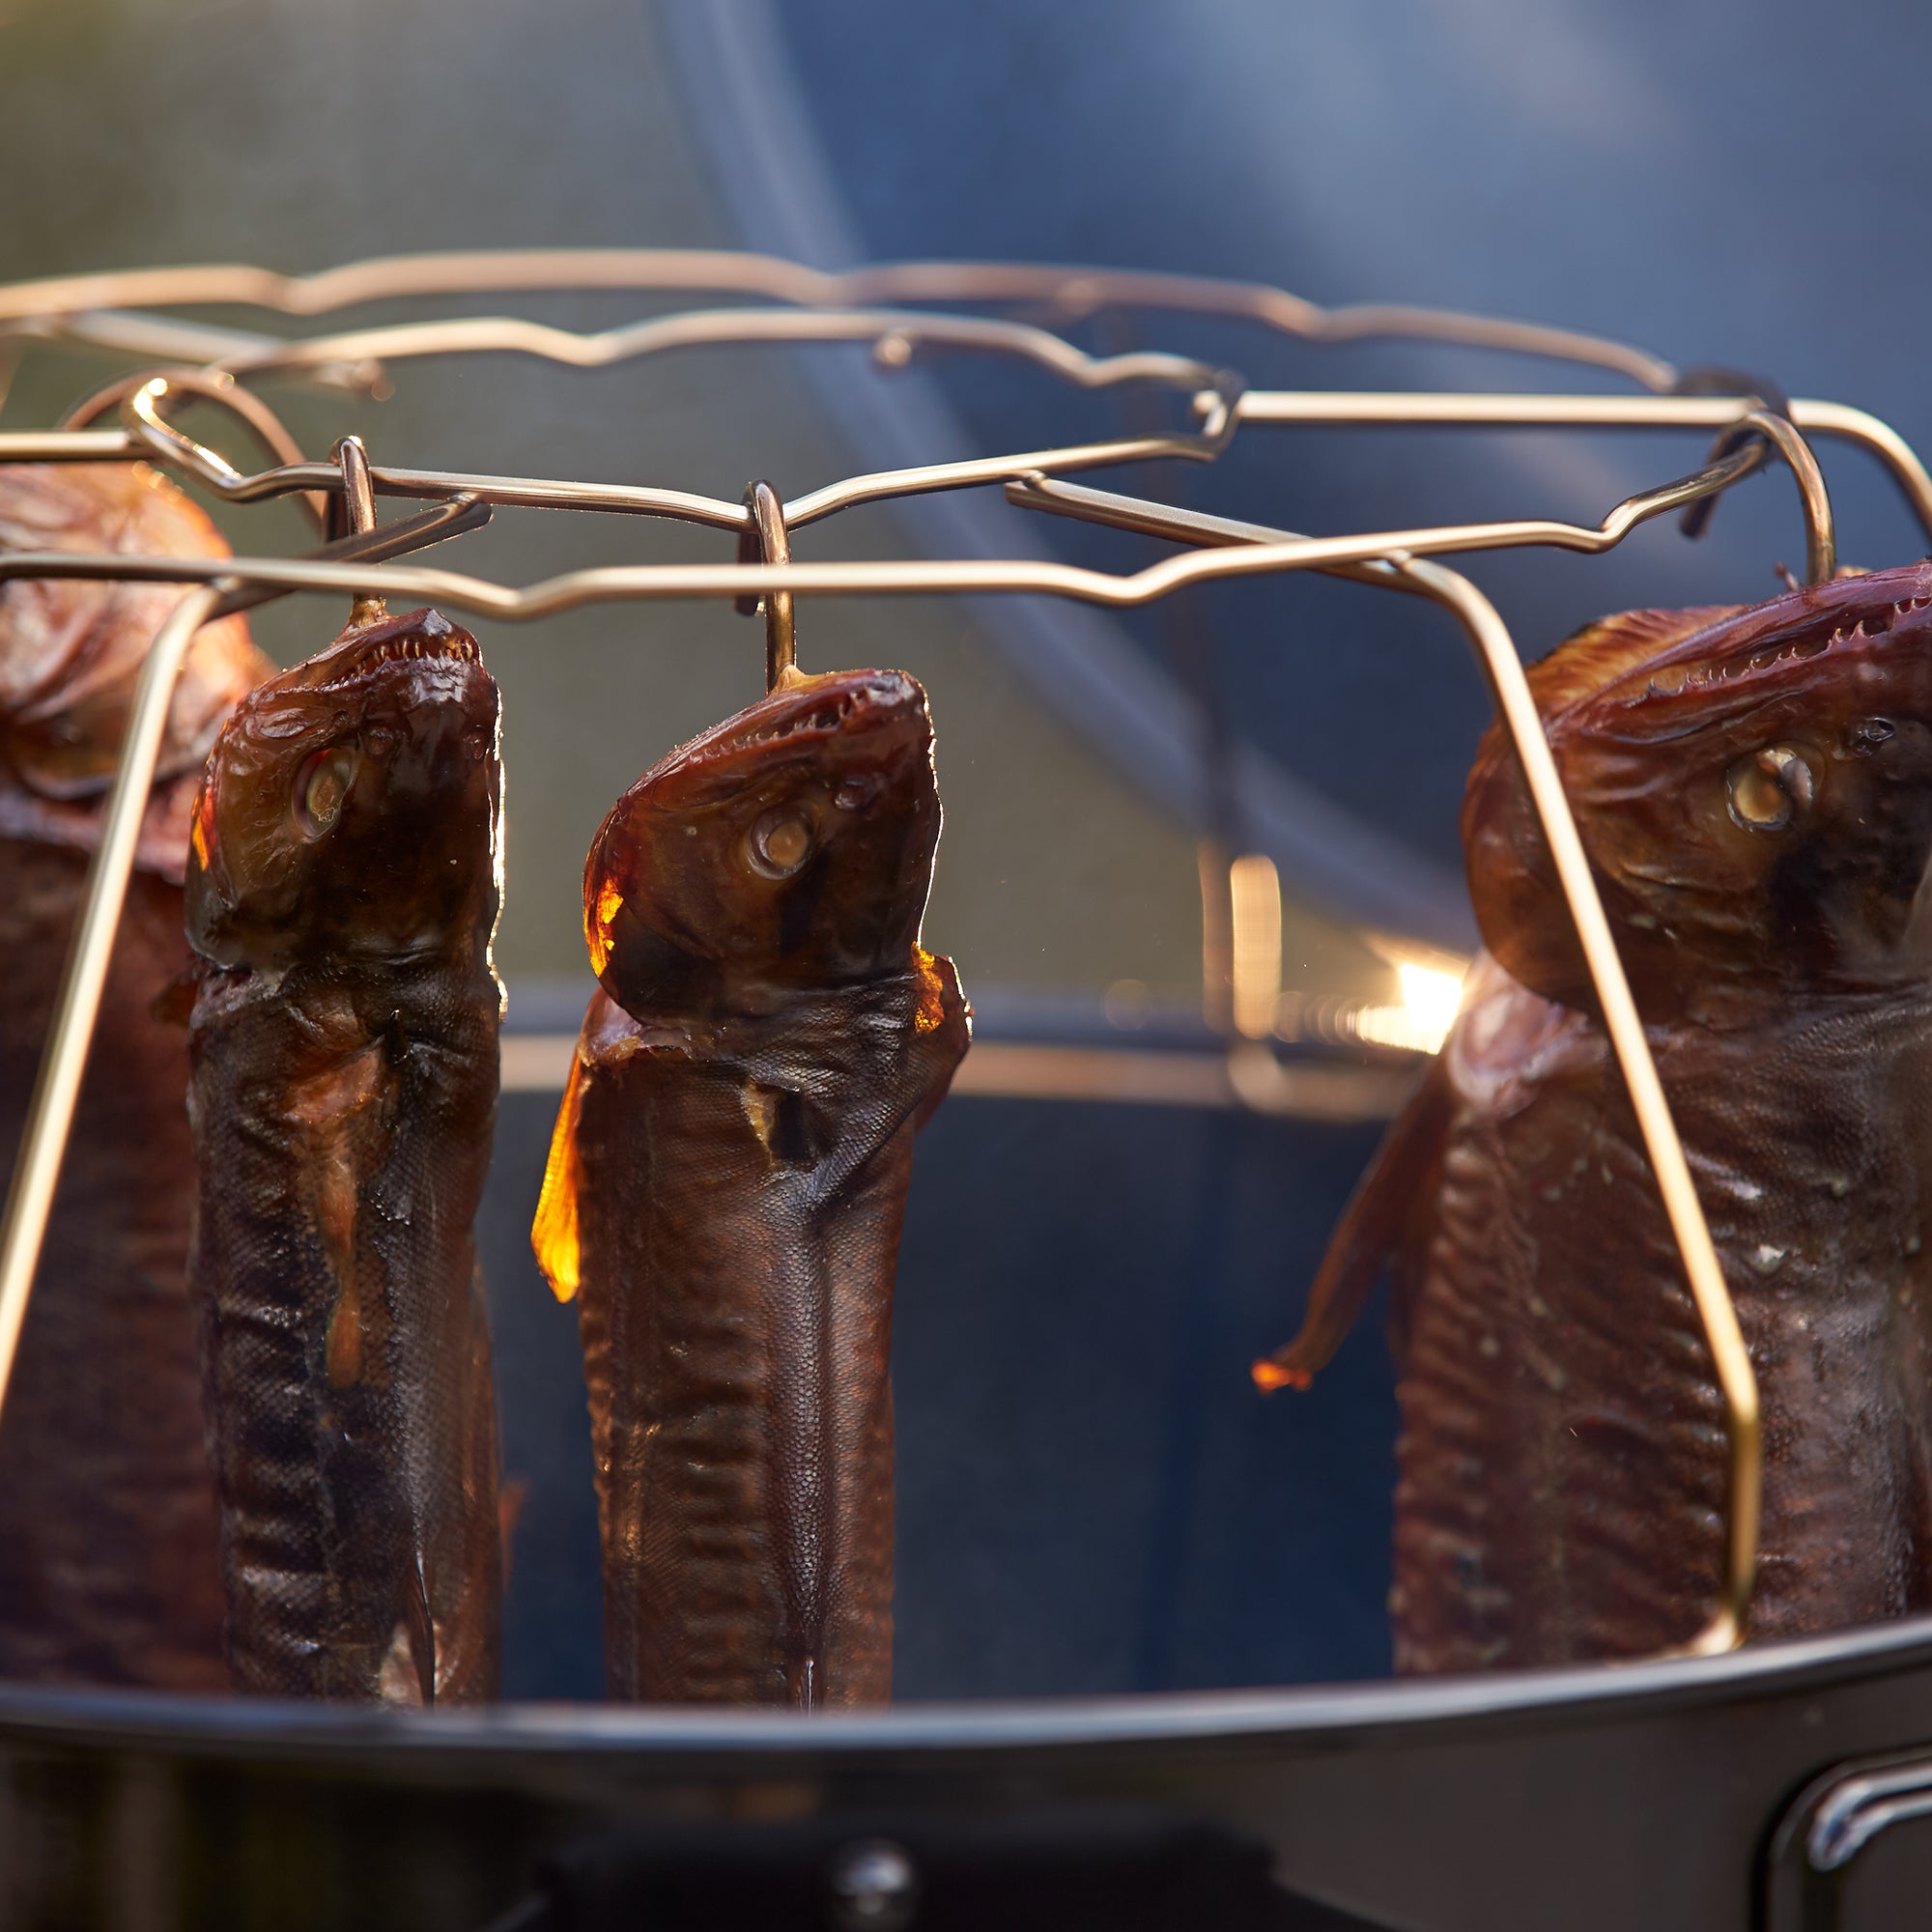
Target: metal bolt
[(873, 1886)]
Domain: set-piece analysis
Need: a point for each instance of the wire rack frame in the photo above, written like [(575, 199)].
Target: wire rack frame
[(90, 309)]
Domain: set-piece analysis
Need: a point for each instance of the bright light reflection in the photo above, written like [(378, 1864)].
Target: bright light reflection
[(1254, 891), (1420, 1024), (1431, 998)]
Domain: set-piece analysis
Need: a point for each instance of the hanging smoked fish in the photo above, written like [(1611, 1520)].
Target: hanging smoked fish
[(728, 1180), (107, 1534), (342, 895), (1754, 789)]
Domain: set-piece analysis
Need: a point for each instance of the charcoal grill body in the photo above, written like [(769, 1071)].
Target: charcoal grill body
[(1686, 1794)]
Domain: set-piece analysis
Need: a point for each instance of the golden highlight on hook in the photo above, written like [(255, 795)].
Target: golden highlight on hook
[(768, 541)]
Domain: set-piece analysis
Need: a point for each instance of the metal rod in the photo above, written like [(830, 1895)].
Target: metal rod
[(404, 536), (358, 500), (1403, 410), (30, 1198), (142, 418), (1496, 655), (768, 542), (671, 582), (1737, 1382), (203, 385), (356, 510), (1821, 542), (1069, 291), (894, 333), (163, 338), (148, 434), (1135, 513), (69, 445), (156, 437)]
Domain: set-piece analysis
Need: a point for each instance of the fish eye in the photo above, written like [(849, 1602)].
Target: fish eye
[(1767, 788), (781, 842), (321, 784)]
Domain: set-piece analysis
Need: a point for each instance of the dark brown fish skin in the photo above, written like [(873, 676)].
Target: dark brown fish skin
[(109, 1570), (1562, 1455), (728, 1181), (342, 895)]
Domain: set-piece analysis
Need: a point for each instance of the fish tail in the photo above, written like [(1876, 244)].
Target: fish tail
[(802, 1685), (421, 1627)]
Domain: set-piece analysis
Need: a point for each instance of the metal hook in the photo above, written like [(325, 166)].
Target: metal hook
[(1770, 423), (207, 386), (767, 541), (356, 508), (352, 514)]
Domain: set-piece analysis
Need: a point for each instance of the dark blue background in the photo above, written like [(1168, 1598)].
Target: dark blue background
[(1720, 181), (1092, 1495)]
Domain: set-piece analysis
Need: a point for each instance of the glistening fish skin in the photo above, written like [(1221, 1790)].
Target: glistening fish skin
[(1754, 789), (108, 1572), (342, 893), (727, 1181)]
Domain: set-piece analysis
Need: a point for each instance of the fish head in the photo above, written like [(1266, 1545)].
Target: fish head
[(1753, 788), (71, 651), (352, 804), (789, 847)]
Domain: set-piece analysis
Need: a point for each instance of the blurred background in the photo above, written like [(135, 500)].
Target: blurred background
[(1092, 1498)]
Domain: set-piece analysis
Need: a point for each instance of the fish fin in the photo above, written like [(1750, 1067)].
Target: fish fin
[(555, 1233), (174, 1003), (942, 1026), (511, 1496), (1386, 1220), (407, 1675)]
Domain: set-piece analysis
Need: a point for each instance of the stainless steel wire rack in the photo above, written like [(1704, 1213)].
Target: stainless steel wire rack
[(895, 309)]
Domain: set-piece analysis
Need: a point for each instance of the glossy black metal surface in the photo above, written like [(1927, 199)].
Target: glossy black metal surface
[(1574, 1800), (1855, 1849)]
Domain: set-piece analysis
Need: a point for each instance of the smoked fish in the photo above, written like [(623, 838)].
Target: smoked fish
[(1754, 789), (728, 1180), (343, 886), (107, 1522)]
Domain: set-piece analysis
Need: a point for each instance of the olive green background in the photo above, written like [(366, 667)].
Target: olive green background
[(298, 136)]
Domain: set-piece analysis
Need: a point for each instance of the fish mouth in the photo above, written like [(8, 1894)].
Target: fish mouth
[(822, 707), (421, 636), (1810, 636), (808, 715)]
